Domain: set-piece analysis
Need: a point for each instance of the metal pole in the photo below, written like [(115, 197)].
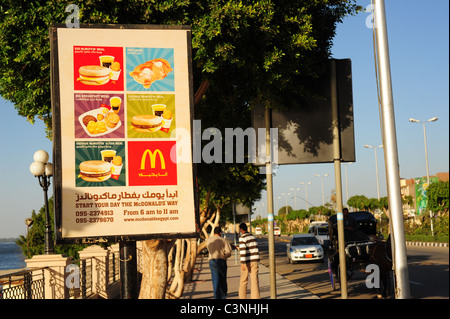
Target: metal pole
[(426, 152), (391, 153), (128, 270), (376, 171), (235, 235), (44, 180), (323, 196), (273, 288), (250, 220), (428, 173), (338, 180), (346, 183)]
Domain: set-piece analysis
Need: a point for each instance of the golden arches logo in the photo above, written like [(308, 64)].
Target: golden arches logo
[(152, 156)]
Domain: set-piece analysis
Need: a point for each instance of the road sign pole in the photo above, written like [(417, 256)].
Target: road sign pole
[(273, 288), (338, 179), (128, 270)]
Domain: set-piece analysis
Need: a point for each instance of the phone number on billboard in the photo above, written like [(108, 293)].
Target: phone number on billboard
[(94, 220), (94, 213)]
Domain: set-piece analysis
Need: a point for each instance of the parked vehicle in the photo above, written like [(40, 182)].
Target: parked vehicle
[(362, 248), (304, 247), (320, 231)]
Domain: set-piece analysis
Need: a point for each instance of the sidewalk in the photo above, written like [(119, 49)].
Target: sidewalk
[(201, 286)]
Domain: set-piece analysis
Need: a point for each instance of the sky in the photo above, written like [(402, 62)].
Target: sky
[(418, 34)]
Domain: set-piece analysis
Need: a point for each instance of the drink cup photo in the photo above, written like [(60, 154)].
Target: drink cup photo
[(158, 109), (106, 60), (108, 155), (115, 103)]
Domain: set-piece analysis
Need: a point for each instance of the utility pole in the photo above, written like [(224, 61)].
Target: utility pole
[(273, 284), (391, 153)]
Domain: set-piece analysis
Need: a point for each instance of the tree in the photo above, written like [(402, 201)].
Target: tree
[(438, 197), (360, 202), (285, 210), (33, 243), (244, 52)]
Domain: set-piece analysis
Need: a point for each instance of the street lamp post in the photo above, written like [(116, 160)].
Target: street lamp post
[(43, 170), (306, 192), (321, 180), (285, 197), (28, 222), (376, 166), (433, 119), (295, 196)]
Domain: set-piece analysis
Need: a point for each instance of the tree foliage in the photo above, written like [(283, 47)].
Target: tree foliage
[(438, 197), (360, 202), (34, 242), (248, 50), (298, 214)]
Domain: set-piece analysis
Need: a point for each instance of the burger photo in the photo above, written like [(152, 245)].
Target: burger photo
[(146, 123), (95, 171), (94, 75)]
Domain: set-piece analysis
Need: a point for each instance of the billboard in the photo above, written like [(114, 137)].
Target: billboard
[(421, 187), (305, 133), (119, 93)]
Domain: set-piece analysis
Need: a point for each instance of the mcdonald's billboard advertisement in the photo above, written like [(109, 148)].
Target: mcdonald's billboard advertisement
[(119, 95)]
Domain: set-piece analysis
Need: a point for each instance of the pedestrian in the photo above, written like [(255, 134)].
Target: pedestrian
[(219, 250), (349, 222), (249, 255)]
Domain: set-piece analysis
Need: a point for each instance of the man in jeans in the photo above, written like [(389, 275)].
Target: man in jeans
[(219, 250), (249, 253)]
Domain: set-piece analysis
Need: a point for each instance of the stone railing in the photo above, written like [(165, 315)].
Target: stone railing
[(64, 278)]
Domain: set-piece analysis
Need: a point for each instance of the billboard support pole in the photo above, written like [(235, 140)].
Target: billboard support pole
[(338, 179), (390, 152), (273, 289), (128, 270)]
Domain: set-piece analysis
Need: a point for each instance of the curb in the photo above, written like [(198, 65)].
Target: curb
[(426, 244), (409, 243)]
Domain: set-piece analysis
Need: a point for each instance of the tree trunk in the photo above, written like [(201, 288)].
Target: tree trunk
[(154, 269)]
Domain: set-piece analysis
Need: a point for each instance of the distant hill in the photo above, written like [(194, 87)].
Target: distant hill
[(8, 239)]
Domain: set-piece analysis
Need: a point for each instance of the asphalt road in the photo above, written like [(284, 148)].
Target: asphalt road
[(428, 269)]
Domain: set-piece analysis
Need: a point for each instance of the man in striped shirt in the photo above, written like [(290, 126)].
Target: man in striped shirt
[(249, 253)]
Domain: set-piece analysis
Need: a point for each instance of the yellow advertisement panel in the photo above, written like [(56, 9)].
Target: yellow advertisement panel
[(119, 95)]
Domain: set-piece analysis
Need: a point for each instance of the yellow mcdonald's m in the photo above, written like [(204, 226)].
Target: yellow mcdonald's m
[(152, 156)]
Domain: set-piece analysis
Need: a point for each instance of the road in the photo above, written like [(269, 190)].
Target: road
[(428, 272)]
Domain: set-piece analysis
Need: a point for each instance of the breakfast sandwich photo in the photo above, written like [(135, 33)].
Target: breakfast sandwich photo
[(98, 68), (150, 115)]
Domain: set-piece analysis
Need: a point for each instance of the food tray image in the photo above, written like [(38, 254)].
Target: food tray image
[(102, 127)]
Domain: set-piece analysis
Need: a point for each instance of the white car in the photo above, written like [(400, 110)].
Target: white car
[(304, 247)]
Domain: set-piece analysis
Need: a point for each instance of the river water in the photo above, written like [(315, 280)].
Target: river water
[(11, 256)]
